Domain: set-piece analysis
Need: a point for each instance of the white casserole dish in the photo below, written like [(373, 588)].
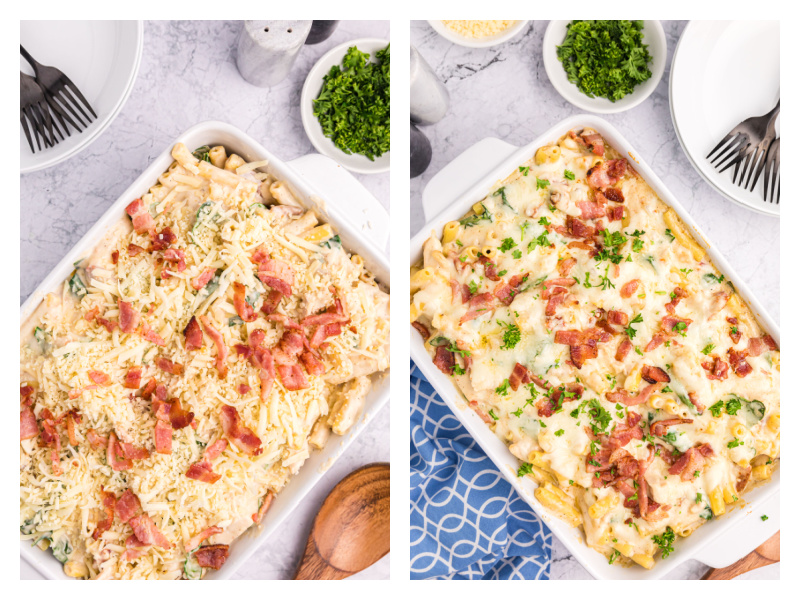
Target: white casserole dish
[(319, 183), (448, 197)]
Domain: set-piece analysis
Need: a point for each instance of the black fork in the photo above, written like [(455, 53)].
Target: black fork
[(34, 114), (61, 94)]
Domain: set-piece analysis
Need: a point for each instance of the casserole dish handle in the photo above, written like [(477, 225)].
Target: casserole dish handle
[(352, 198), (462, 173)]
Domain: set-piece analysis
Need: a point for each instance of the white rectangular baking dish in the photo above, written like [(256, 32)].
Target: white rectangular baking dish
[(320, 183), (448, 197)]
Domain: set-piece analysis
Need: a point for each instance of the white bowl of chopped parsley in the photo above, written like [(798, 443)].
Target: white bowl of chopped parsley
[(344, 105), (605, 66)]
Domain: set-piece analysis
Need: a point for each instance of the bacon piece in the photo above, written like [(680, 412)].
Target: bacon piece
[(735, 335), (478, 305), (266, 363), (201, 537), (578, 229), (140, 215), (505, 293), (547, 406), (243, 309), (115, 257), (131, 452), (583, 246), (177, 257), (202, 280), (615, 195), (212, 556), (627, 290), (266, 502), (624, 347), (277, 275), (654, 374), (659, 428), (551, 285), (615, 213), (109, 507), (28, 427), (616, 317), (582, 344), (591, 210), (240, 436), (423, 331), (323, 332), (242, 389), (678, 294), (657, 340), (168, 366), (221, 363), (289, 348), (489, 269), (72, 417), (591, 139), (519, 375), (128, 506), (202, 471), (692, 461), (162, 240), (147, 533), (271, 303), (133, 378), (557, 297), (444, 360), (128, 317), (134, 250), (113, 452), (624, 396), (193, 335), (313, 365), (109, 325), (625, 432), (565, 266), (152, 336), (292, 377), (669, 323), (287, 322), (569, 337), (757, 346), (163, 437), (717, 368), (178, 416), (96, 440), (259, 256), (739, 362), (607, 173), (99, 377)]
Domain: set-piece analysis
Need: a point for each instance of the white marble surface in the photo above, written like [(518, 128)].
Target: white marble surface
[(188, 75), (504, 92)]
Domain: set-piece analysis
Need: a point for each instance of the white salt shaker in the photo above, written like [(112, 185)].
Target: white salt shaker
[(267, 50), (429, 97)]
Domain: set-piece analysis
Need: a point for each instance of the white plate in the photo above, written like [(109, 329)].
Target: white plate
[(724, 72), (487, 42), (448, 196), (311, 88), (653, 36), (315, 190), (100, 57)]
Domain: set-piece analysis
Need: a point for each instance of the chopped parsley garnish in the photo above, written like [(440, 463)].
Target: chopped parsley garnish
[(666, 389), (517, 254), (764, 517), (353, 105), (600, 416), (503, 272), (698, 498), (508, 244), (708, 349), (459, 370), (524, 170), (473, 287), (541, 183), (711, 277), (670, 235), (733, 405), (523, 226), (524, 469), (613, 379), (473, 220), (539, 241), (494, 416), (716, 408), (502, 193), (680, 327), (665, 541), (559, 433), (605, 58), (455, 349), (614, 556), (734, 330), (638, 351), (735, 442), (569, 175), (502, 389), (637, 245), (511, 336), (518, 412), (544, 222), (629, 330), (605, 282), (685, 271)]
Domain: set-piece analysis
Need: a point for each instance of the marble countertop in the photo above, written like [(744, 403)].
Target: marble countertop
[(188, 75), (504, 92)]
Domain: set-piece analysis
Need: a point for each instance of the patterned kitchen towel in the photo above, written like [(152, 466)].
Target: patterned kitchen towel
[(467, 522)]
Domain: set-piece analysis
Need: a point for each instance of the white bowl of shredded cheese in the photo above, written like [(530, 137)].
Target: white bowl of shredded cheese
[(478, 34)]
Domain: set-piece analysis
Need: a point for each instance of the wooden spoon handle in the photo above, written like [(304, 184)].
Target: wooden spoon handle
[(313, 566), (766, 554)]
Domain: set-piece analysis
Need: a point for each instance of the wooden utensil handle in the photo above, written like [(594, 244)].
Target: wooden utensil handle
[(767, 553)]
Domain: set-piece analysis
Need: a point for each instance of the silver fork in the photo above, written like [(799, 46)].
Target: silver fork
[(772, 185), (745, 148)]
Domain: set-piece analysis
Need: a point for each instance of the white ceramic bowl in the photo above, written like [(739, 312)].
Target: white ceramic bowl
[(656, 45), (486, 42), (100, 57), (311, 89)]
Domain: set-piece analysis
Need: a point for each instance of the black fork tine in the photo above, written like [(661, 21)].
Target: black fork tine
[(48, 123), (61, 115), (722, 143), (64, 92), (756, 173), (59, 97), (43, 106), (732, 143), (735, 159), (41, 120), (34, 126), (744, 164), (729, 152), (74, 89), (23, 120)]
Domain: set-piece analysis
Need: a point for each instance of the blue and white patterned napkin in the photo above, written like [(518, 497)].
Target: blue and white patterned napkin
[(467, 522)]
